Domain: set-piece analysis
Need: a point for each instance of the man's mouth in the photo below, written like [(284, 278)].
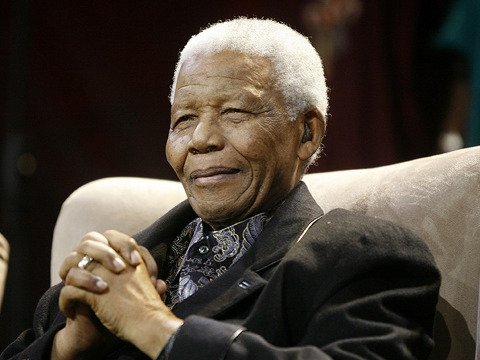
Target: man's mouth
[(211, 172)]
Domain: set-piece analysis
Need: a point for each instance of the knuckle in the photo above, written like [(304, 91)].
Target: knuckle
[(89, 235), (71, 257), (84, 246), (69, 276), (119, 237), (131, 244), (95, 237), (110, 232), (68, 263)]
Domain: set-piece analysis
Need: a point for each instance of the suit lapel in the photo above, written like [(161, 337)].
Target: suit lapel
[(158, 236), (244, 278)]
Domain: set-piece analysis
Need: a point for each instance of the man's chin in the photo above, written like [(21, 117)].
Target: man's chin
[(218, 217)]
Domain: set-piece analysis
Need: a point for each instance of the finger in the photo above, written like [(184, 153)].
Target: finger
[(150, 263), (70, 296), (161, 288), (86, 280), (102, 253), (95, 236), (124, 245), (70, 261), (95, 245)]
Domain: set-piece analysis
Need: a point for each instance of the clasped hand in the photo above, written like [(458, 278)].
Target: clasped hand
[(117, 296)]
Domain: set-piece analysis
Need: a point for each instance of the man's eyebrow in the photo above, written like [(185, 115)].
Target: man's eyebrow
[(226, 77), (181, 106), (188, 85)]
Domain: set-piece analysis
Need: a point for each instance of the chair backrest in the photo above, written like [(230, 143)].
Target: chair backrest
[(127, 204), (438, 197)]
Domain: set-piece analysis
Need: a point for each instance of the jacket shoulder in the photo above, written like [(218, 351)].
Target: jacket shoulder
[(350, 226), (343, 234)]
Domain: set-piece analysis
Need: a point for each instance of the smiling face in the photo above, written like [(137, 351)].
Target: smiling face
[(231, 143)]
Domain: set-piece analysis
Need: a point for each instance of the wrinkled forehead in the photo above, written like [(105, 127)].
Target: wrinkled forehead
[(226, 78), (227, 64)]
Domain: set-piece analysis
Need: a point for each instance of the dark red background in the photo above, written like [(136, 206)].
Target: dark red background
[(84, 88)]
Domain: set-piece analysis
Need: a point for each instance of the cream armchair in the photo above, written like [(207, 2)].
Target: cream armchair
[(438, 197), (4, 252)]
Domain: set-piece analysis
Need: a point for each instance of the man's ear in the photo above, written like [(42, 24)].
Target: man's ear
[(312, 129)]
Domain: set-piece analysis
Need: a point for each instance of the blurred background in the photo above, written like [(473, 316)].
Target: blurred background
[(84, 87)]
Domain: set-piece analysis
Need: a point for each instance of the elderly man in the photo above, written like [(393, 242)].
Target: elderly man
[(253, 269)]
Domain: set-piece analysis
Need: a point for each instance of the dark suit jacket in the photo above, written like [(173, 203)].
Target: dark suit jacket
[(353, 287)]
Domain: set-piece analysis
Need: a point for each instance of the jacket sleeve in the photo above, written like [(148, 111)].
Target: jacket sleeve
[(214, 340), (36, 342), (366, 290)]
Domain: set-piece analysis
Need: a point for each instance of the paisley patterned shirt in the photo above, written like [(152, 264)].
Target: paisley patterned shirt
[(198, 257)]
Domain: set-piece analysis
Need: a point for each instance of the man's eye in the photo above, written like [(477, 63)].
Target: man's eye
[(235, 111), (236, 114), (183, 119)]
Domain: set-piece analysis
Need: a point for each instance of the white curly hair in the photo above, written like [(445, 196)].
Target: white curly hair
[(298, 69)]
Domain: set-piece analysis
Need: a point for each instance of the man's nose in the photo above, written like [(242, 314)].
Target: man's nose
[(206, 137)]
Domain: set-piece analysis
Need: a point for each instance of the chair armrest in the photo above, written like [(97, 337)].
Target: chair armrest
[(4, 253)]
